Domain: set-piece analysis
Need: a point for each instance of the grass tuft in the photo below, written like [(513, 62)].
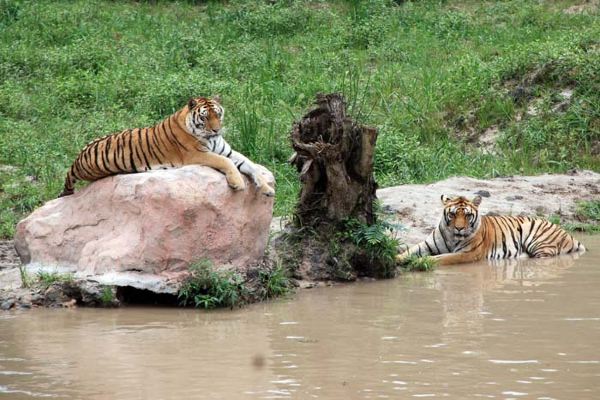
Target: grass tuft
[(415, 263), (46, 279), (209, 288)]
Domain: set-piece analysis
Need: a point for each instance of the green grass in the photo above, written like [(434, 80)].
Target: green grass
[(421, 264), (273, 283), (210, 288), (45, 279), (73, 71), (589, 210), (587, 218)]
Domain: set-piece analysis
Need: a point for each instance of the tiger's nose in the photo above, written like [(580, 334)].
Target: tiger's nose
[(459, 228)]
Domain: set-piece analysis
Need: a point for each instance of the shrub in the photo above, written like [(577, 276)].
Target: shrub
[(209, 288)]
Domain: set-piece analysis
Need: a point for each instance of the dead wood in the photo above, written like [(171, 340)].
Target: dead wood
[(334, 156)]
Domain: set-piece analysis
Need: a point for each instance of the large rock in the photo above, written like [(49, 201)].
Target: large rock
[(144, 230)]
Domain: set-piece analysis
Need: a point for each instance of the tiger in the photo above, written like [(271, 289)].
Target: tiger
[(463, 235), (192, 135)]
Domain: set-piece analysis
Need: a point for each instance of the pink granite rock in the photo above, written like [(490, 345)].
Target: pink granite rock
[(144, 230)]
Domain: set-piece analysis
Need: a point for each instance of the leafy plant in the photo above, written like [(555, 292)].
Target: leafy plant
[(273, 282), (415, 263), (378, 241), (48, 278), (207, 288), (107, 296), (26, 279), (588, 210)]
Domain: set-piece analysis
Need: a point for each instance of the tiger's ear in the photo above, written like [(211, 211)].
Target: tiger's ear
[(192, 103), (216, 98), (476, 201), (445, 199)]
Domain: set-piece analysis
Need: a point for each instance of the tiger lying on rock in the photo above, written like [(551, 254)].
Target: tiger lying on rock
[(464, 236), (190, 136)]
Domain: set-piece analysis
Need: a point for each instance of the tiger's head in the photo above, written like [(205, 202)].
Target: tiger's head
[(204, 117), (461, 216)]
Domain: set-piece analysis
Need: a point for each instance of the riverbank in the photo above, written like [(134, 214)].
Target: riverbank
[(414, 208)]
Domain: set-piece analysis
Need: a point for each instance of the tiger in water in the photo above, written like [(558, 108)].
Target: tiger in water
[(191, 135), (464, 236)]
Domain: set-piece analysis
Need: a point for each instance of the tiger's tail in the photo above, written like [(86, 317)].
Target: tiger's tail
[(70, 180)]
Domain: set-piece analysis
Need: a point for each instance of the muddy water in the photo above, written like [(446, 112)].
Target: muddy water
[(523, 330)]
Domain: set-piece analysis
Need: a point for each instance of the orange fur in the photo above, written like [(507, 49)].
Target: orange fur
[(184, 138), (464, 236)]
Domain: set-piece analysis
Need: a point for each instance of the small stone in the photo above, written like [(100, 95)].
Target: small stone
[(483, 193), (7, 305)]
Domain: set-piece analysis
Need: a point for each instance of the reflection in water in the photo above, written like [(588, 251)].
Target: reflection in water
[(513, 329), (463, 287)]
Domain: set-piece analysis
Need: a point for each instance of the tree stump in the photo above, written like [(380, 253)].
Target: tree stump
[(334, 157)]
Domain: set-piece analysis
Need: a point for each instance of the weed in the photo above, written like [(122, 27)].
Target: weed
[(26, 279), (581, 227), (588, 210), (587, 214), (378, 241), (209, 288), (107, 297), (273, 282), (555, 219), (46, 279), (415, 263)]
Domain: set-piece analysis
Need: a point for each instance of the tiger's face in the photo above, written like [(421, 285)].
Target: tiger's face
[(205, 116), (461, 216)]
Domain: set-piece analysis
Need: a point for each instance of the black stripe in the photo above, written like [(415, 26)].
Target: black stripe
[(159, 138), (173, 134), (153, 149), (530, 231), (131, 159), (140, 147), (167, 136), (222, 147), (79, 165), (121, 153), (118, 156), (444, 238), (96, 159), (435, 242), (511, 230), (157, 146), (107, 147), (150, 150), (520, 230)]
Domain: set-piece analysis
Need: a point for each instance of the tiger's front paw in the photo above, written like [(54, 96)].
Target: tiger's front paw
[(236, 182), (267, 190), (401, 258), (263, 186)]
